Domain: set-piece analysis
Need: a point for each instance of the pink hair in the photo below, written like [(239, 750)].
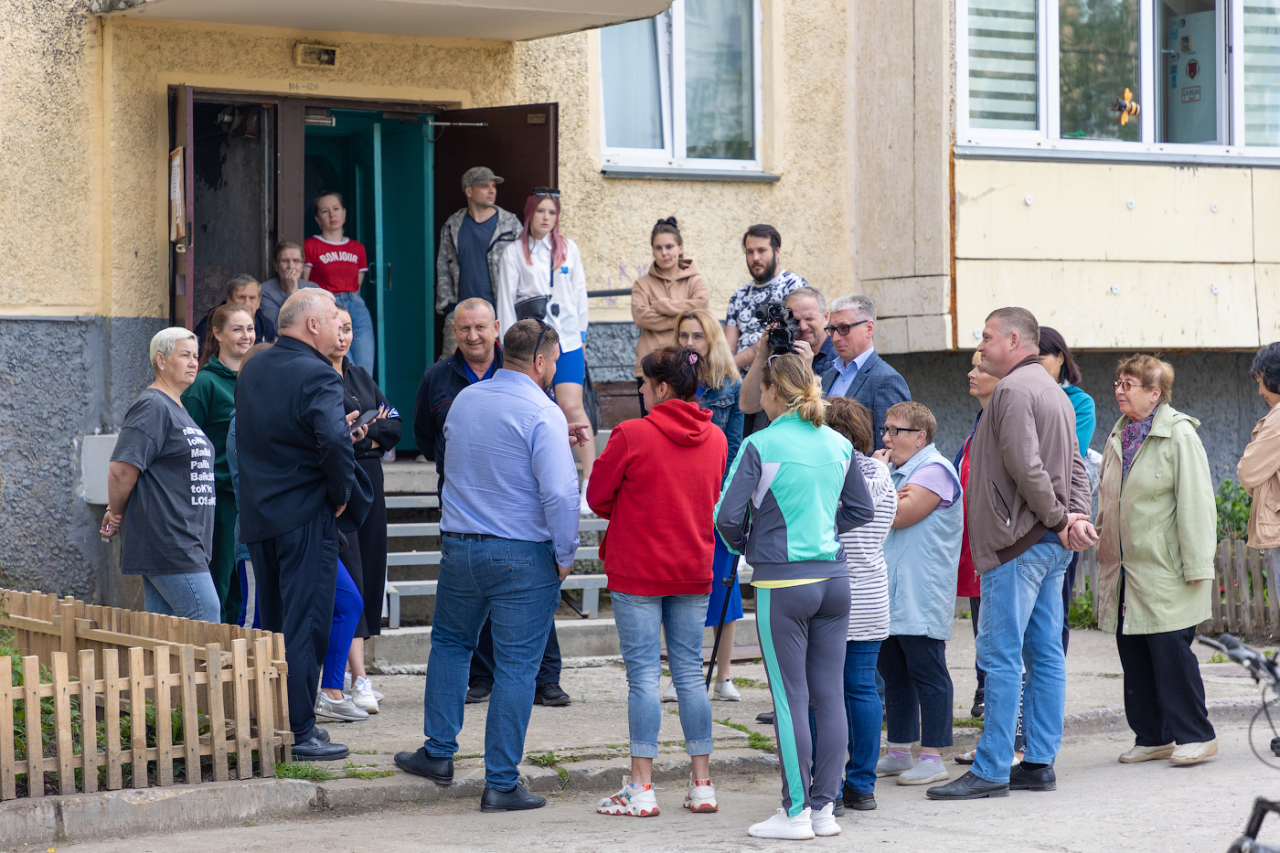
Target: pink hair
[(559, 247)]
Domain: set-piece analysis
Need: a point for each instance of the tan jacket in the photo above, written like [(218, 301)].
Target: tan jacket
[(1259, 473), (1025, 468), (657, 300)]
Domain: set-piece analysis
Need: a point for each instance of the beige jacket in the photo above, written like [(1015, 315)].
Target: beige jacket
[(656, 301), (1259, 474), (1025, 468)]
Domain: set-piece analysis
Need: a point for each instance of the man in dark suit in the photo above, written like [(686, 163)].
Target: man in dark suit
[(857, 371), (297, 475)]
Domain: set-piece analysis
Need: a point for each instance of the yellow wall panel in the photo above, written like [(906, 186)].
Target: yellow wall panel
[(1155, 305), (1266, 216), (1267, 277), (1080, 211)]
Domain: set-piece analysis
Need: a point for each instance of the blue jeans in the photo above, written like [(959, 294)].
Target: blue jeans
[(1021, 621), (640, 619), (191, 596), (515, 584), (363, 346), (863, 708)]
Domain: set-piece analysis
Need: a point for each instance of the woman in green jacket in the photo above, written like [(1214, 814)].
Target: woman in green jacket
[(1157, 521), (211, 400)]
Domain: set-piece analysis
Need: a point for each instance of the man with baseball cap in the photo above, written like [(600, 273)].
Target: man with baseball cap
[(471, 244)]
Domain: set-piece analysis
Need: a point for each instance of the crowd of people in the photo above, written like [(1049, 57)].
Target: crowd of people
[(248, 478)]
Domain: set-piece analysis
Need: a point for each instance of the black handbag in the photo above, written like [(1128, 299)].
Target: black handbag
[(535, 307)]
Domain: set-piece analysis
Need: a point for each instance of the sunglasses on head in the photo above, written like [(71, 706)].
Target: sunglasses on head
[(544, 192), (541, 332)]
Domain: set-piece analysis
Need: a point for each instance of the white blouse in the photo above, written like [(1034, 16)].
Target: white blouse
[(567, 288)]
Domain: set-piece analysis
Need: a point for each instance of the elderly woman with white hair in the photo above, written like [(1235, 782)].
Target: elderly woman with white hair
[(160, 488)]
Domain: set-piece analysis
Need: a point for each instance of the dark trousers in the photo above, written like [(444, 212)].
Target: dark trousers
[(482, 659), (975, 607), (222, 562), (1068, 584), (640, 396), (373, 553), (918, 690), (754, 423), (1163, 691), (297, 578)]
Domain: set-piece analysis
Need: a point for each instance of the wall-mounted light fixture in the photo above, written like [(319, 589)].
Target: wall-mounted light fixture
[(319, 117), (310, 55)]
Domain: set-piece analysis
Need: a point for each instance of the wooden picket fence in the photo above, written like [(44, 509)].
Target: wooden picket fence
[(1247, 604), (223, 685)]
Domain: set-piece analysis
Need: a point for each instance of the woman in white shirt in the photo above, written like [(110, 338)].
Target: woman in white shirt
[(541, 276)]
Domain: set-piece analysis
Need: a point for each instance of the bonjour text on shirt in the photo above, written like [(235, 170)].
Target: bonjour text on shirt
[(749, 297), (335, 266)]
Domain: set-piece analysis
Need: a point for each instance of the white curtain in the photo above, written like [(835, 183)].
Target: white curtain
[(719, 75), (629, 56), (1002, 64)]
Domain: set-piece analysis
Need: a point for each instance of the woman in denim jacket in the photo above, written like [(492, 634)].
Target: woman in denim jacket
[(699, 330)]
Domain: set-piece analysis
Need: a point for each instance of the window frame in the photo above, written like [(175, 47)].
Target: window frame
[(1046, 141), (674, 109)]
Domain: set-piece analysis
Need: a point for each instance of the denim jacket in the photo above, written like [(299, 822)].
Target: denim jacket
[(723, 403)]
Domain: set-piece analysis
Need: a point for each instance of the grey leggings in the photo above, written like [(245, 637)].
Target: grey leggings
[(802, 636)]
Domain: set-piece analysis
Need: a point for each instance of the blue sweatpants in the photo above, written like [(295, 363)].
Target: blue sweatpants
[(347, 606)]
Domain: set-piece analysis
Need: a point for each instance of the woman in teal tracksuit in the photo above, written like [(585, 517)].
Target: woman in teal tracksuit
[(790, 493)]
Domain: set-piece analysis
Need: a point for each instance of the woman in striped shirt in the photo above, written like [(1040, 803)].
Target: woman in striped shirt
[(868, 605)]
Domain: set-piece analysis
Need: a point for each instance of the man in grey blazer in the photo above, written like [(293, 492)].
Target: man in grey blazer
[(857, 371)]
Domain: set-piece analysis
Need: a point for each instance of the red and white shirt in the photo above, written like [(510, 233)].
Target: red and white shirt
[(335, 266)]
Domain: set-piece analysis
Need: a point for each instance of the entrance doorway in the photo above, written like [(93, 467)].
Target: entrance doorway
[(398, 168)]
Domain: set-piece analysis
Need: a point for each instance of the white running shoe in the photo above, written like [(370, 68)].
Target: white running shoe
[(583, 507), (891, 766), (1147, 753), (630, 801), (669, 695), (782, 825), (339, 709), (924, 772), (725, 692), (824, 821), (346, 685), (363, 696), (701, 797)]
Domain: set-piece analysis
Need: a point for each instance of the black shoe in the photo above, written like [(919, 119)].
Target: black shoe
[(979, 703), (765, 719), (860, 802), (837, 808), (1040, 779), (515, 800), (968, 787), (319, 734), (319, 750), (438, 770), (479, 692), (550, 694)]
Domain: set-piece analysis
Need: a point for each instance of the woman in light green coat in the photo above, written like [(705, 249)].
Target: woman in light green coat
[(1157, 521)]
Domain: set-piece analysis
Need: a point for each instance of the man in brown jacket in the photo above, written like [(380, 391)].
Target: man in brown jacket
[(1028, 508)]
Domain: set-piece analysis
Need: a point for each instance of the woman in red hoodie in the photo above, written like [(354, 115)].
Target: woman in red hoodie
[(659, 564)]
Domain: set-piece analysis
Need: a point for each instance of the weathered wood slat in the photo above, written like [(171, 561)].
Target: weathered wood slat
[(217, 715), (31, 711), (138, 717), (190, 712), (62, 718), (111, 713), (8, 784), (1257, 597), (265, 702), (240, 689), (164, 721), (88, 722), (1242, 586)]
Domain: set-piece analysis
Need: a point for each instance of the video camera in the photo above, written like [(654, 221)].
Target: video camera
[(783, 327)]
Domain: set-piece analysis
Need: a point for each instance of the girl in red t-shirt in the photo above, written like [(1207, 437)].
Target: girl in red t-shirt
[(338, 264)]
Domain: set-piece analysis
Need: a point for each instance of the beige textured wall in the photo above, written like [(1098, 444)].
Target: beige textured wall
[(49, 60)]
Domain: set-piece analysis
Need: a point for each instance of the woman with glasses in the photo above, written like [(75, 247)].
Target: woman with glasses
[(1158, 525), (541, 277), (699, 330), (792, 490), (922, 551)]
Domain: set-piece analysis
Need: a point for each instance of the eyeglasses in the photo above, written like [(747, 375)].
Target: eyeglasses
[(844, 328), (895, 430), (1129, 386), (544, 192), (538, 345)]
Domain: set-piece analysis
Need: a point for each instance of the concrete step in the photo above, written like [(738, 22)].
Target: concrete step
[(399, 531), (578, 638)]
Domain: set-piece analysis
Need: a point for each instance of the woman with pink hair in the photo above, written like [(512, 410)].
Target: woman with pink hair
[(541, 278)]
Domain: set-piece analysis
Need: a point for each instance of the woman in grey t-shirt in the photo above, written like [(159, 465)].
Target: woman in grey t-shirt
[(161, 488)]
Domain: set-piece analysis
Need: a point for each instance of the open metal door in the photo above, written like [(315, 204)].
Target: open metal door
[(519, 143), (182, 206)]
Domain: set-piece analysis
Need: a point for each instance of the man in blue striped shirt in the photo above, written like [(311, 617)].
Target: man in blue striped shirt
[(508, 535)]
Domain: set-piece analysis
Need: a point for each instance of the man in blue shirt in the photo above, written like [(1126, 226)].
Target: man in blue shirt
[(857, 371), (477, 358), (509, 531)]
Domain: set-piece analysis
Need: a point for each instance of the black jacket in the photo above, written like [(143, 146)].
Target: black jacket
[(440, 384), (360, 394), (291, 437)]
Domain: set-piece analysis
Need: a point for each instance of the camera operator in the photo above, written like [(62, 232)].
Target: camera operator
[(856, 371)]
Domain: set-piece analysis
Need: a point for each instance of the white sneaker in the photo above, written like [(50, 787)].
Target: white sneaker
[(346, 685), (1146, 753), (583, 507), (701, 797), (890, 766), (824, 821), (669, 695), (363, 697), (924, 772), (339, 709), (630, 801), (1193, 753), (725, 692), (782, 825)]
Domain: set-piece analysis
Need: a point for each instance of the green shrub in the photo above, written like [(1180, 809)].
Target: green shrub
[(1081, 614), (1233, 510)]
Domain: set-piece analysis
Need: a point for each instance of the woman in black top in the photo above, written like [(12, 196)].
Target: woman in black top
[(363, 394)]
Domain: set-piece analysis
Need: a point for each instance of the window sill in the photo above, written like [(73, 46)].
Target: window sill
[(661, 173), (1230, 157)]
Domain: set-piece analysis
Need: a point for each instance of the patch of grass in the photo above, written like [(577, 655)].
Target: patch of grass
[(304, 770), (965, 614), (365, 751), (755, 740), (547, 760), (366, 775), (1081, 614), (1217, 657), (749, 682), (966, 723), (469, 755)]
